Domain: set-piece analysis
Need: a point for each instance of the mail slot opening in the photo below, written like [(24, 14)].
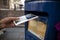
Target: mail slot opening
[(38, 26), (38, 13)]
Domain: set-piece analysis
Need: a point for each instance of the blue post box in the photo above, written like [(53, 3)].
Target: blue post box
[(49, 12)]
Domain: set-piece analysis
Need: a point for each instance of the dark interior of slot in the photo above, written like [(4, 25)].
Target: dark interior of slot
[(44, 14)]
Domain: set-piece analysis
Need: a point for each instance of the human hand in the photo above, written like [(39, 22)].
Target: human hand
[(8, 22)]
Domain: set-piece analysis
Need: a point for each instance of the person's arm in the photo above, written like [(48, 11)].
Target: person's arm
[(1, 26), (7, 22)]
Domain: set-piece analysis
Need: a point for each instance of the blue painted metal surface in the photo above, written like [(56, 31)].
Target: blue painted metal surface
[(53, 10)]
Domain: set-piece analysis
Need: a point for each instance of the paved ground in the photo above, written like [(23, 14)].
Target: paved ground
[(13, 34)]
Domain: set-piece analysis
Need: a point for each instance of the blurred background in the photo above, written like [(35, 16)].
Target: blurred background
[(12, 8)]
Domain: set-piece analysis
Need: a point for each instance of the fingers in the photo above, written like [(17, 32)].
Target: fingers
[(11, 25), (3, 25)]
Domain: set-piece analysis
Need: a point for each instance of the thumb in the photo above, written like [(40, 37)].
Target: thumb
[(14, 18)]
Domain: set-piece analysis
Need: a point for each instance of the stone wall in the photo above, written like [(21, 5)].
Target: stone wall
[(10, 13)]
